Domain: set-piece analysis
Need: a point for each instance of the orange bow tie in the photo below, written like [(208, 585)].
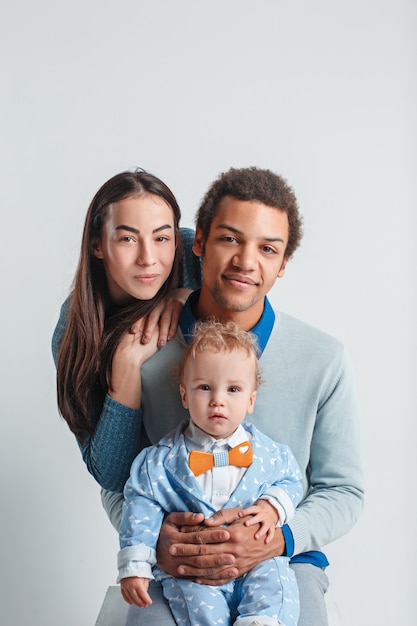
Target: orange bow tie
[(240, 455)]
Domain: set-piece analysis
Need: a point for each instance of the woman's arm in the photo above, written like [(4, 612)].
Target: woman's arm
[(118, 437), (116, 441)]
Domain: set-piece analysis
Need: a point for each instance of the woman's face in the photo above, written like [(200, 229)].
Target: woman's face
[(137, 247)]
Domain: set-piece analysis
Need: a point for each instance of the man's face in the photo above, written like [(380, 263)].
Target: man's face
[(242, 257)]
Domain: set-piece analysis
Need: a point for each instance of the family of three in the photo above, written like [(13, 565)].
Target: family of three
[(142, 289)]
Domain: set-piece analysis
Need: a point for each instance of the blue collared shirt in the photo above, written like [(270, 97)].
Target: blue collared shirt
[(262, 329)]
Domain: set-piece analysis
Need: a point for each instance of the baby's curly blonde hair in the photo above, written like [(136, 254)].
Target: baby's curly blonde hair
[(213, 336)]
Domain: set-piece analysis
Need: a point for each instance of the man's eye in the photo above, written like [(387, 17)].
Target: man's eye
[(229, 238)]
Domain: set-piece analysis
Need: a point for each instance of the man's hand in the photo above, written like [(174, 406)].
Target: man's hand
[(247, 550), (186, 548), (210, 553)]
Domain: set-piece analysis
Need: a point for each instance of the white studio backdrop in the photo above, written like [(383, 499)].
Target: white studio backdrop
[(322, 92)]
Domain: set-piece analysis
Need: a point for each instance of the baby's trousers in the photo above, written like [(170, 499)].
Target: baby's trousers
[(268, 593)]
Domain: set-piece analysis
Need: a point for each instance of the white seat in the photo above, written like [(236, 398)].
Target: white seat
[(114, 609)]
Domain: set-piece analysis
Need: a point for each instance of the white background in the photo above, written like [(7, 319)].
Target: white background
[(322, 92)]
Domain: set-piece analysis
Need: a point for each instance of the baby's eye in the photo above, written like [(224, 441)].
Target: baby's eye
[(234, 389), (204, 387)]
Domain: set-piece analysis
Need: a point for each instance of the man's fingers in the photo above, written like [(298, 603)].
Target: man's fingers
[(190, 529), (209, 567), (195, 542), (224, 516), (179, 519)]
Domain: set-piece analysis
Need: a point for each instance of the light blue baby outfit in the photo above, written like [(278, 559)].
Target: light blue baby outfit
[(161, 482)]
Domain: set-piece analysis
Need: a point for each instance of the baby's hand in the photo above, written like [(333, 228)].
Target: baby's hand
[(135, 591), (263, 513)]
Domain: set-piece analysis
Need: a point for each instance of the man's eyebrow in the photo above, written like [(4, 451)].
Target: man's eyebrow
[(239, 232), (130, 229)]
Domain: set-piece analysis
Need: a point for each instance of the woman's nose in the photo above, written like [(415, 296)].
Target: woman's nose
[(145, 256)]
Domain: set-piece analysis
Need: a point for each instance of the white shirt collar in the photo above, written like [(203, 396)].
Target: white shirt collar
[(198, 437)]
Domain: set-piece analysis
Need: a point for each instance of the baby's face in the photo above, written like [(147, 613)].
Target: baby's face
[(219, 389)]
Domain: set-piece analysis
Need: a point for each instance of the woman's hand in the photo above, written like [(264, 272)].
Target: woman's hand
[(129, 356), (165, 315), (146, 335)]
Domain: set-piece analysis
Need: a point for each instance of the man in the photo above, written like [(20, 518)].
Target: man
[(248, 227)]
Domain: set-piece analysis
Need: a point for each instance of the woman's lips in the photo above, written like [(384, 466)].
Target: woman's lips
[(146, 278)]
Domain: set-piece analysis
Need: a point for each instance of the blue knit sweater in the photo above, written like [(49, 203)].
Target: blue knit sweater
[(118, 437)]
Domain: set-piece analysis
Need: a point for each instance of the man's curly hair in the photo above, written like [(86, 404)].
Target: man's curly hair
[(253, 183)]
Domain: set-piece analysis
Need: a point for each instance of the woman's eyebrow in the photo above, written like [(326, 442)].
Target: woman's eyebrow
[(130, 229)]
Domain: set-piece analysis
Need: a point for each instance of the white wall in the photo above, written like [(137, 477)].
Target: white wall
[(322, 92)]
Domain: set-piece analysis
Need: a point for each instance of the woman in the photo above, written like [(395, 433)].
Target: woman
[(132, 256)]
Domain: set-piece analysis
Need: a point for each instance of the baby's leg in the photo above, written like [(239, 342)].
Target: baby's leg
[(193, 604), (268, 595)]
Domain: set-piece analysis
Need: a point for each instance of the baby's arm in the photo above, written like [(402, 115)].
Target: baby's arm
[(263, 513), (135, 591), (278, 501)]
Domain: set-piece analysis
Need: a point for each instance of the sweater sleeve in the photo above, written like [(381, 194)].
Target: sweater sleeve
[(141, 520), (116, 441), (118, 438), (335, 496), (286, 491)]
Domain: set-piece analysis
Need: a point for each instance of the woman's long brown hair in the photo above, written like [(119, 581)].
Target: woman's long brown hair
[(95, 325)]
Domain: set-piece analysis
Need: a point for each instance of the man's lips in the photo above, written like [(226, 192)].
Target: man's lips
[(238, 278)]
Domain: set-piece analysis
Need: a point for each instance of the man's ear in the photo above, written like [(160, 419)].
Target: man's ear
[(183, 395), (282, 268), (198, 245)]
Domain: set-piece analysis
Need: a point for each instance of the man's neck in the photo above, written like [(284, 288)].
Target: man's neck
[(193, 311), (206, 307)]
